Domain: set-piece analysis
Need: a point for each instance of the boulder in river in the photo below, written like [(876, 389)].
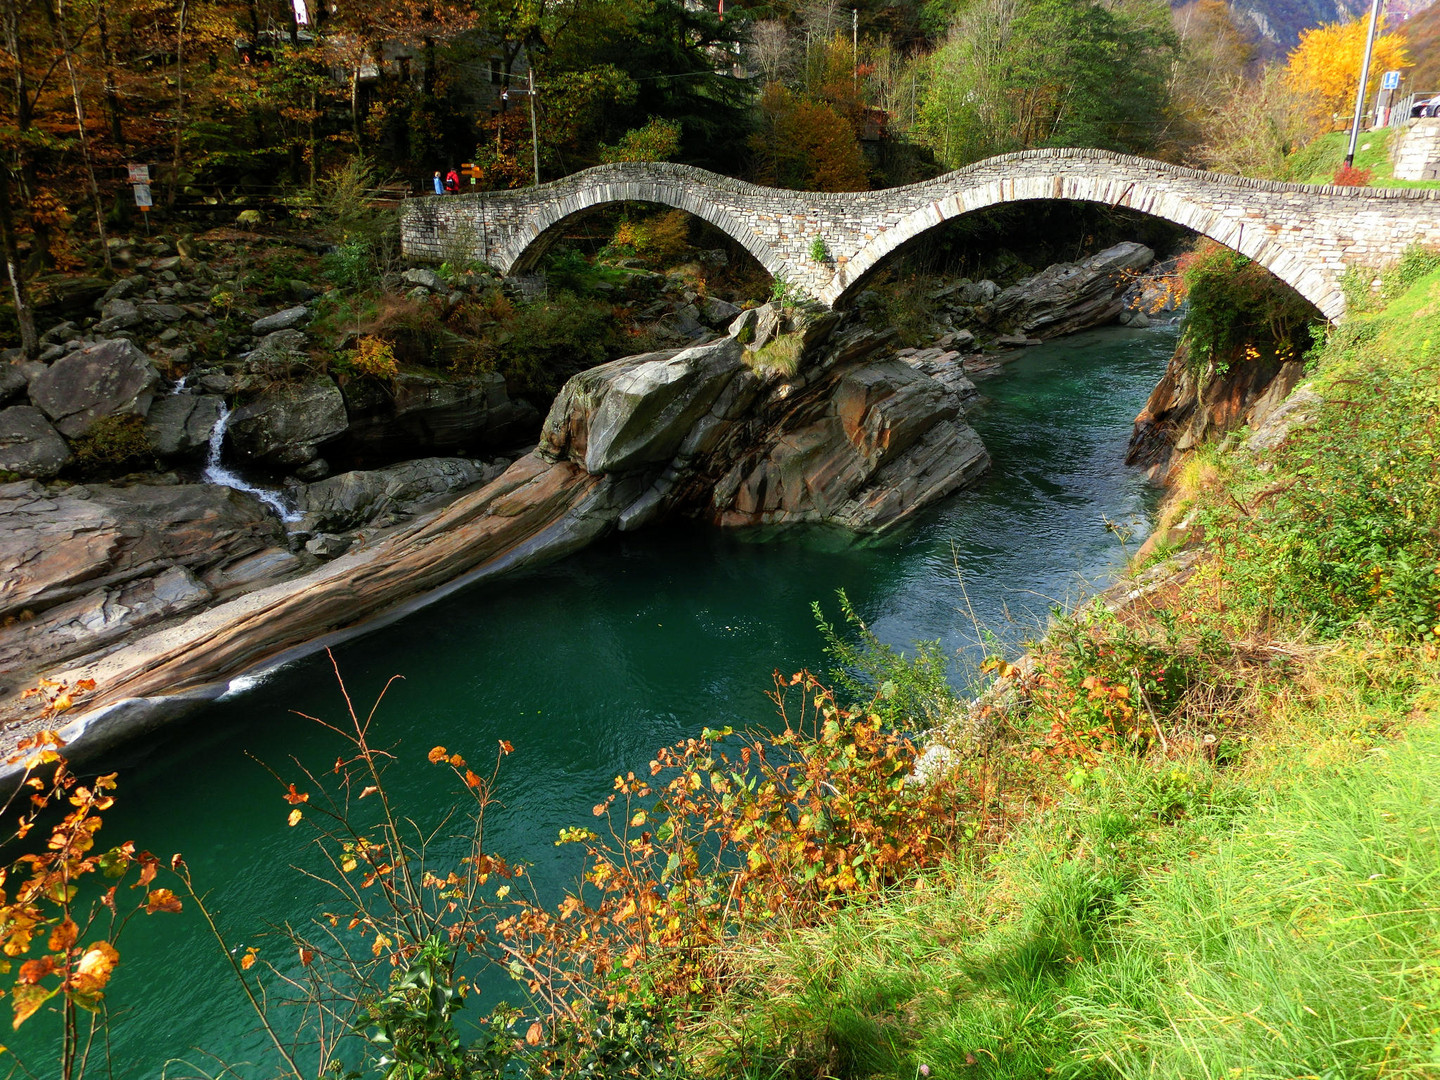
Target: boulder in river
[(281, 320), (113, 378), (1072, 296), (635, 412), (182, 423), (288, 422), (353, 499)]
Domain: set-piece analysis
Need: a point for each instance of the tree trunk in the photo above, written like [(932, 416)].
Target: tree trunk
[(24, 315), (62, 33), (29, 180), (179, 104), (107, 56)]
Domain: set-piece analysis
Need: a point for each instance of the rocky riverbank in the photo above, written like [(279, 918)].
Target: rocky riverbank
[(162, 592)]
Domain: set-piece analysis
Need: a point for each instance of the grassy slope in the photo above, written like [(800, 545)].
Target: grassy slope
[(1316, 162), (1277, 915)]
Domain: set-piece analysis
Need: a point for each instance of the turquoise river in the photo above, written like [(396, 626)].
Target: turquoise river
[(590, 664)]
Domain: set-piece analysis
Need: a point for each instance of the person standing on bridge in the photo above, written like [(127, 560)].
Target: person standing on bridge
[(452, 182), (439, 184)]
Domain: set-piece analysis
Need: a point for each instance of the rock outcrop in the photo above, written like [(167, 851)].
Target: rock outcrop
[(1189, 405), (1072, 296), (29, 446), (849, 439), (383, 496)]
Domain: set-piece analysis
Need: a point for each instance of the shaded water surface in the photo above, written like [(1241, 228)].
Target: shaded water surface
[(589, 665)]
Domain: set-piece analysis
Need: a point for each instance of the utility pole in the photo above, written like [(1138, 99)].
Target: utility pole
[(1364, 78), (534, 130)]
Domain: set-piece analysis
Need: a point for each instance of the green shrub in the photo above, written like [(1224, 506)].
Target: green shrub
[(114, 444), (1238, 310)]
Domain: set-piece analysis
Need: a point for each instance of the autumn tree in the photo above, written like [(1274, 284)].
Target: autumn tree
[(806, 145), (1325, 68)]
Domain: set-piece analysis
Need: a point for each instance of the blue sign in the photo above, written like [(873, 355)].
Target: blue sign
[(1390, 80)]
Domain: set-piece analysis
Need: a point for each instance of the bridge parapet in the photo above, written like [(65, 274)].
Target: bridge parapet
[(1306, 235)]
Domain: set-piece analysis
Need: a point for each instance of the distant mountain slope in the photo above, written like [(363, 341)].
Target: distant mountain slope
[(1276, 24), (1423, 34)]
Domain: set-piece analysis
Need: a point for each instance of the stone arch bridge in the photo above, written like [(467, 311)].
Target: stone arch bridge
[(1305, 235)]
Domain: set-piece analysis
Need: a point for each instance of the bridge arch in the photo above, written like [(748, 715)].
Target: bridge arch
[(1245, 234), (548, 219)]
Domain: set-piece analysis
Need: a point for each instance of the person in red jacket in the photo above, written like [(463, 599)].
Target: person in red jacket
[(452, 182)]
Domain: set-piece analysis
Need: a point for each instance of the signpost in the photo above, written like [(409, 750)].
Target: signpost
[(1390, 80), (471, 170), (139, 177)]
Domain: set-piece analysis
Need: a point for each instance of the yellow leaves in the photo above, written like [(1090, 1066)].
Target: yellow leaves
[(248, 960), (472, 781), (1323, 68), (380, 944), (294, 818), (28, 999), (295, 798), (161, 900), (506, 749), (93, 972), (534, 1034), (437, 755)]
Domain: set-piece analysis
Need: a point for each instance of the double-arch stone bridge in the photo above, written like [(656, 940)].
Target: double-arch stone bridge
[(1305, 235)]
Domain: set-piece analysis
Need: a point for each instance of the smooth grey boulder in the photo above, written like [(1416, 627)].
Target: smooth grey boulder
[(1072, 296), (353, 499), (29, 446), (742, 327), (717, 313), (417, 414), (769, 324), (12, 383), (113, 378), (636, 411), (118, 314), (288, 422), (162, 313), (328, 545), (427, 279), (181, 423), (281, 320)]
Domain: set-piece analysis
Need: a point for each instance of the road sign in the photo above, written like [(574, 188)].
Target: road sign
[(1390, 80), (142, 197), (139, 174), (471, 170)]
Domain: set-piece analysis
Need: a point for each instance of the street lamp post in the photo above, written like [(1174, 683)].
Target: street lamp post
[(1364, 78)]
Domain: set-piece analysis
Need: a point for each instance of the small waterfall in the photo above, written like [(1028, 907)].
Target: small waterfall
[(215, 473), (179, 387)]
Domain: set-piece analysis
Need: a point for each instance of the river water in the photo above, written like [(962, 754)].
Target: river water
[(589, 665)]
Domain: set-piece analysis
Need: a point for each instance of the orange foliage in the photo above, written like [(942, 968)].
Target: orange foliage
[(806, 145)]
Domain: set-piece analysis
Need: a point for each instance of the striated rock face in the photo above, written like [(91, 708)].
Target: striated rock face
[(1186, 407), (866, 447), (1072, 296), (55, 547), (113, 378)]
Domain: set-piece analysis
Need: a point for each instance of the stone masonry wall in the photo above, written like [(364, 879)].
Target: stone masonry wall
[(1305, 235), (1417, 150)]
